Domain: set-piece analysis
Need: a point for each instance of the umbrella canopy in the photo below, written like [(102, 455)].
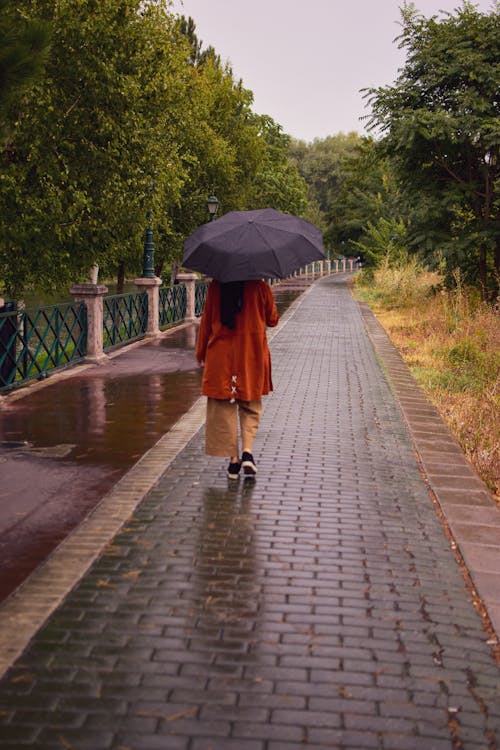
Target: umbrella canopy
[(244, 245)]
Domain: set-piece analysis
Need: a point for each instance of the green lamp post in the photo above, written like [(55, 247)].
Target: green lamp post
[(148, 258)]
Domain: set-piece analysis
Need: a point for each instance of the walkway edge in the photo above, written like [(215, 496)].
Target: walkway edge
[(467, 507)]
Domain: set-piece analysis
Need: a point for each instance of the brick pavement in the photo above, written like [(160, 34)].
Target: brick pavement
[(320, 606)]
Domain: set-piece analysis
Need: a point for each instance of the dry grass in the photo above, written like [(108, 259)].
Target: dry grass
[(451, 342)]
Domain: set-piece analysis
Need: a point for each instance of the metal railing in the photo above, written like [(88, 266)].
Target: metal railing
[(200, 295), (172, 304), (35, 342), (125, 318)]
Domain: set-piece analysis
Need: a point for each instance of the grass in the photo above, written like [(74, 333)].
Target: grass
[(451, 342)]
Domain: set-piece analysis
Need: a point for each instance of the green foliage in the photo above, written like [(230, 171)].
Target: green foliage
[(84, 150), (440, 126), (130, 115), (353, 195), (384, 239), (367, 214), (23, 51), (322, 165), (277, 182)]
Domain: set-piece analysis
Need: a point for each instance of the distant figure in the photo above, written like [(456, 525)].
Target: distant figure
[(232, 346)]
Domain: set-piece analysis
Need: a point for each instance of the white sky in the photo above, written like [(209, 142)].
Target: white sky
[(306, 60)]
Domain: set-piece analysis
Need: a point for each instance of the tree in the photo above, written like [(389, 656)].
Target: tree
[(94, 143), (131, 114), (322, 164), (242, 156), (440, 126), (276, 182), (367, 214)]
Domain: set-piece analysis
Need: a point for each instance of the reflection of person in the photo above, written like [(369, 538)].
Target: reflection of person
[(232, 345)]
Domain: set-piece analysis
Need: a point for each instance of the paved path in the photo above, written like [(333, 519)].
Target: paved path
[(321, 606)]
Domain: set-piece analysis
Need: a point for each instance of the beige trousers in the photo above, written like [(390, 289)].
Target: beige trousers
[(221, 430)]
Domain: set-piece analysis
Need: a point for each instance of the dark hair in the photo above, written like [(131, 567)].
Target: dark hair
[(231, 302)]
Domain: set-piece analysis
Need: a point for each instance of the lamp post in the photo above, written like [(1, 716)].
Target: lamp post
[(148, 271), (212, 206)]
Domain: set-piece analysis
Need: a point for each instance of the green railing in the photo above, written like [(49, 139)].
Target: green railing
[(172, 304), (35, 342), (200, 295), (125, 318)]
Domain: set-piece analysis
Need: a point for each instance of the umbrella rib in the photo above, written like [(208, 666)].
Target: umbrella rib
[(268, 244)]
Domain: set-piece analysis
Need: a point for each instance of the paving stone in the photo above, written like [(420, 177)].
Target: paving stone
[(320, 605)]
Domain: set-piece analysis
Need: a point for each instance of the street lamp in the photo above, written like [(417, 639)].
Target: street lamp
[(149, 252), (212, 206)]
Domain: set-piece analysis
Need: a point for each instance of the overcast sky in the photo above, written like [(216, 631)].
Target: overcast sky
[(306, 60)]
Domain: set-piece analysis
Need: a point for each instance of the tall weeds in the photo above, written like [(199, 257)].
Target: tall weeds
[(451, 342)]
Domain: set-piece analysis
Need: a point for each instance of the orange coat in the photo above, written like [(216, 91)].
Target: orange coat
[(237, 362)]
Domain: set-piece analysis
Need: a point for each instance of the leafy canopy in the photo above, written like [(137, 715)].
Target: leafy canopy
[(440, 126)]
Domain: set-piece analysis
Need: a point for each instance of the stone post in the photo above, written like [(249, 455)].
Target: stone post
[(189, 279), (336, 266), (328, 267), (151, 287), (351, 263), (92, 295)]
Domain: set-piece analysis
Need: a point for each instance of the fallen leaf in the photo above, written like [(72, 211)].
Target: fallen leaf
[(344, 693), (102, 584), (132, 575), (25, 677), (167, 717), (64, 742), (182, 714)]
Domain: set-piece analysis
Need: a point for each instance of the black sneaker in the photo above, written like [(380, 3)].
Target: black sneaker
[(233, 470), (249, 467)]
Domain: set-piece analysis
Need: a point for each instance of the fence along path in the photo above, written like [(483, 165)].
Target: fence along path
[(320, 606), (36, 343)]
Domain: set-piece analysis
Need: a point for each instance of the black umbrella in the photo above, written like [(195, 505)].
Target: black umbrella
[(244, 245)]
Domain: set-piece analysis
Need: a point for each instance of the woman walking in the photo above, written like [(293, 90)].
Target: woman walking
[(232, 346)]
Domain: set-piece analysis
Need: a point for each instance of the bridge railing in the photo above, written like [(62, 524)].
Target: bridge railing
[(200, 296), (125, 318), (172, 301), (34, 343)]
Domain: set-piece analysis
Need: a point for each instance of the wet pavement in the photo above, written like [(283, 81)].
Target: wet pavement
[(322, 605), (63, 447)]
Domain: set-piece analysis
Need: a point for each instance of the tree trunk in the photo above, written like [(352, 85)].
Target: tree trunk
[(497, 257), (159, 268), (94, 273), (120, 280)]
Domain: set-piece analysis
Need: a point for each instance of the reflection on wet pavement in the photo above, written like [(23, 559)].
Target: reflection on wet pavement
[(64, 446), (226, 586)]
